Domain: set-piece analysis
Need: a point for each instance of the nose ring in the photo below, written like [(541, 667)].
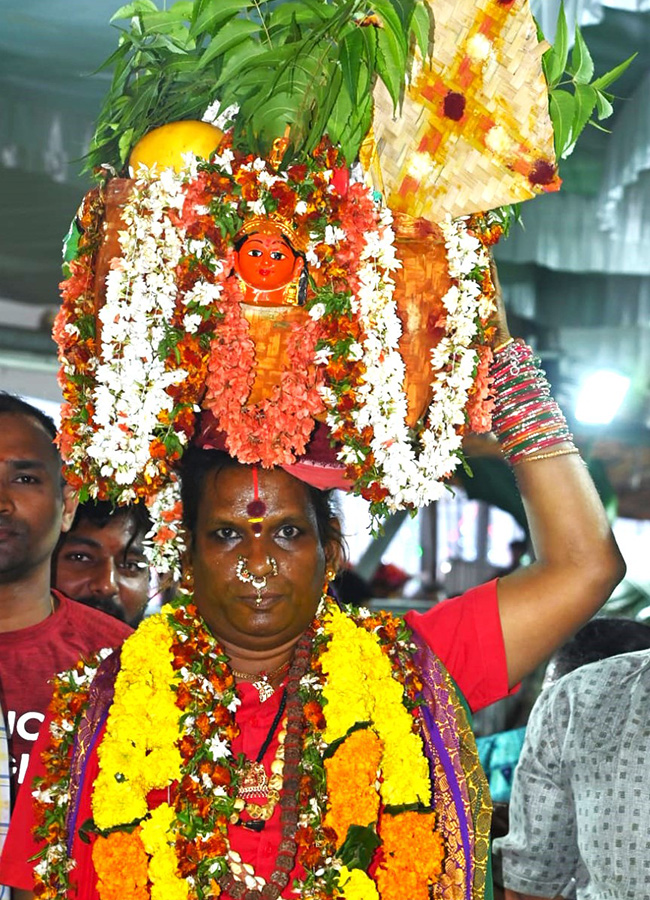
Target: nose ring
[(257, 581)]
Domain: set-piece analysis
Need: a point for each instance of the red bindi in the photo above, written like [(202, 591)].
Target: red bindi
[(256, 509)]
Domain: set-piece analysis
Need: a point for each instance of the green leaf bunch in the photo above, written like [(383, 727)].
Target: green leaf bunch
[(574, 94), (296, 68)]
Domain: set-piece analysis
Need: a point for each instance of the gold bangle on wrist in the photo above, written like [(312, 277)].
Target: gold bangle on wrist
[(551, 455), (503, 345)]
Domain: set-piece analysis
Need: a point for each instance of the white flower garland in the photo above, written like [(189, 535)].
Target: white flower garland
[(415, 476)]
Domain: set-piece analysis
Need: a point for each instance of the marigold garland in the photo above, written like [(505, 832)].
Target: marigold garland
[(186, 840)]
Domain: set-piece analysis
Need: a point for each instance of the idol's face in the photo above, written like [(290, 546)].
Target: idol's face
[(289, 535), (266, 262)]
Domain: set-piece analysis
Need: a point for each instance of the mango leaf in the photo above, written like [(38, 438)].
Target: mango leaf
[(604, 105), (136, 8), (234, 32), (124, 143), (404, 11), (562, 106), (332, 91), (168, 21), (303, 12), (555, 59), (421, 25), (604, 81), (582, 65)]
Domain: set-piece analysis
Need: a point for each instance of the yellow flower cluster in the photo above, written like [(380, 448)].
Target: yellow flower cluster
[(156, 832), (354, 884), (360, 687), (138, 752)]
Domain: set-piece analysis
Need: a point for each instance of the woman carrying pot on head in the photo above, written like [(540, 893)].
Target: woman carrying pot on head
[(255, 740)]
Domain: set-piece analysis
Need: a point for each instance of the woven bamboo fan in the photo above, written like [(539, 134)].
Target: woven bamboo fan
[(474, 131)]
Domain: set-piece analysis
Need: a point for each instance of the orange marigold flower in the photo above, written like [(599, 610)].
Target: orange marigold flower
[(412, 855), (314, 714), (121, 864), (351, 782), (221, 776)]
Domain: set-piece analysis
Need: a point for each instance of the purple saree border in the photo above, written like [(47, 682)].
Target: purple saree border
[(436, 692)]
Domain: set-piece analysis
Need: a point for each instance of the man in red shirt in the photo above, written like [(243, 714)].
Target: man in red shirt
[(42, 632)]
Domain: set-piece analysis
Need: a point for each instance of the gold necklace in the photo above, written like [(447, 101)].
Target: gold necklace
[(261, 680)]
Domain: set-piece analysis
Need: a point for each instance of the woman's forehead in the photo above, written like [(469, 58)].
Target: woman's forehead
[(233, 487)]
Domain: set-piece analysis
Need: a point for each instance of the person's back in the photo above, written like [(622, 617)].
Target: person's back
[(580, 806)]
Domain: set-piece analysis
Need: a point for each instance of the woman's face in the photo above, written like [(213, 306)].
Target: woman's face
[(289, 534), (266, 262)]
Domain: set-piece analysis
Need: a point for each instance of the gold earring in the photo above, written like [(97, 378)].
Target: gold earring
[(188, 580), (330, 574)]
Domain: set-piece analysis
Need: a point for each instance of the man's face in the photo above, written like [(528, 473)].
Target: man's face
[(33, 506), (96, 563)]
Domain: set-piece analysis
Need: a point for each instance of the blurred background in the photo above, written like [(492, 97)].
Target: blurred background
[(575, 274)]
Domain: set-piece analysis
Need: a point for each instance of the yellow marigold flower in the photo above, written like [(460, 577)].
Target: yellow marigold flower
[(158, 840), (139, 750), (352, 773), (360, 687), (116, 803), (354, 884)]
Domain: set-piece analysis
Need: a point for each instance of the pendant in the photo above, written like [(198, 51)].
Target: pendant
[(264, 688), (253, 781)]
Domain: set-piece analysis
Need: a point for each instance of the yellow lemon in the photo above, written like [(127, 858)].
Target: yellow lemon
[(166, 145)]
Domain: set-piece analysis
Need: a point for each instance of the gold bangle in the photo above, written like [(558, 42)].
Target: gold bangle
[(551, 455), (503, 346)]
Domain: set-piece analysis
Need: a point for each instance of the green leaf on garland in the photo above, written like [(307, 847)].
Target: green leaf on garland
[(358, 848)]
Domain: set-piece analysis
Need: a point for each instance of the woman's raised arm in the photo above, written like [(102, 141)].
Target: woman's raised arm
[(577, 562)]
